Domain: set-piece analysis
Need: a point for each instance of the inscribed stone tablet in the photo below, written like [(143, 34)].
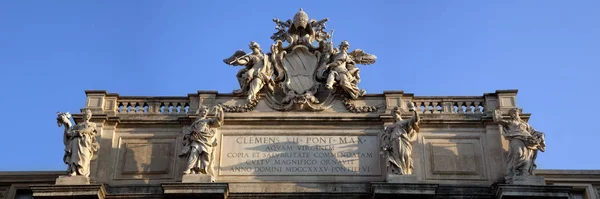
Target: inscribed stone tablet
[(299, 155)]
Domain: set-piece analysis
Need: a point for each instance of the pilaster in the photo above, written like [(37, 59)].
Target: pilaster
[(204, 98), (507, 99), (104, 158), (393, 99), (95, 100)]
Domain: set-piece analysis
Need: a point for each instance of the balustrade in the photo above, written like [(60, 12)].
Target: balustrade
[(458, 105), (181, 105), (155, 105)]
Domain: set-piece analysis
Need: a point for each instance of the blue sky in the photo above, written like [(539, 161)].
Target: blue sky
[(51, 51)]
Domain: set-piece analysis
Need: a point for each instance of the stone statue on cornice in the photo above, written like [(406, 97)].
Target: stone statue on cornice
[(524, 143), (397, 142), (199, 140), (80, 142), (257, 73)]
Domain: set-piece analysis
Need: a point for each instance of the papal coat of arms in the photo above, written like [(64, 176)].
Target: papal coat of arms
[(296, 74)]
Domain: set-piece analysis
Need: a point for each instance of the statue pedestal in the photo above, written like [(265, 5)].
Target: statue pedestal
[(87, 191), (72, 180), (504, 191), (197, 178), (196, 190), (70, 187), (403, 190), (391, 178), (403, 186), (196, 186), (529, 180)]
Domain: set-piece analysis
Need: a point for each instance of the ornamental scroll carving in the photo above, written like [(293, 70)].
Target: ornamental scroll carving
[(247, 107), (358, 109), (303, 70)]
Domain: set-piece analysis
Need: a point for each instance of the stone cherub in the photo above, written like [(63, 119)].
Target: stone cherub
[(342, 70), (397, 141), (524, 142), (80, 142), (258, 71), (199, 139)]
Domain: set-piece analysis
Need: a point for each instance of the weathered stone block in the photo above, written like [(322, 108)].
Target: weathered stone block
[(533, 192), (529, 180), (401, 178), (196, 178), (93, 191), (402, 190), (72, 180), (196, 190)]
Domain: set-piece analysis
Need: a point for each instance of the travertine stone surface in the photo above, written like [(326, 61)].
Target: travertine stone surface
[(454, 145), (299, 155), (532, 192), (529, 180), (392, 178), (300, 121), (583, 182), (402, 190), (197, 178), (292, 152), (72, 180), (92, 191), (4, 192), (196, 190)]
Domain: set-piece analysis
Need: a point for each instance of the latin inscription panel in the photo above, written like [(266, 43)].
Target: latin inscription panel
[(299, 155)]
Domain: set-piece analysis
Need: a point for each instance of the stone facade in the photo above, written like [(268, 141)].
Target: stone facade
[(458, 152), (300, 127), (578, 183), (140, 137)]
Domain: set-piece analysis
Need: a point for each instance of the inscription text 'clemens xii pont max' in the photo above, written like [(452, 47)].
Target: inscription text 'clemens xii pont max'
[(301, 155)]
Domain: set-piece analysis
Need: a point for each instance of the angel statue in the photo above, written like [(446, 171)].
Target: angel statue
[(524, 142), (343, 71), (199, 140), (396, 142), (80, 142), (256, 73)]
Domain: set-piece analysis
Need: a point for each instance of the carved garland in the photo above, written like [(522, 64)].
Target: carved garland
[(357, 109), (241, 108)]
